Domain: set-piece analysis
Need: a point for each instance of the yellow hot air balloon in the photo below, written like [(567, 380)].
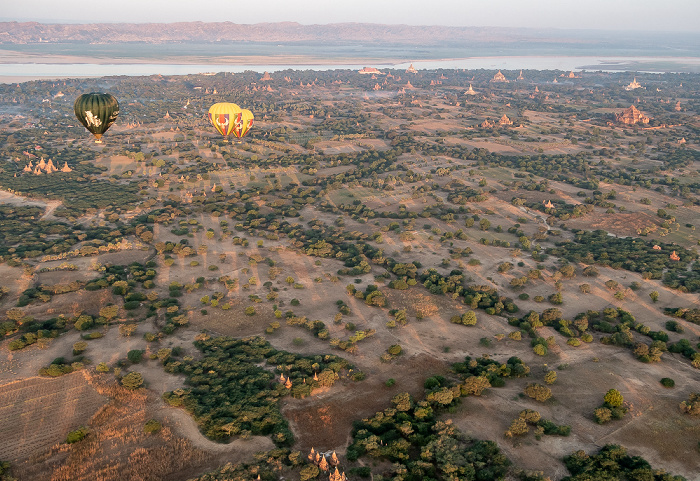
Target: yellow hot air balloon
[(223, 117), (243, 124)]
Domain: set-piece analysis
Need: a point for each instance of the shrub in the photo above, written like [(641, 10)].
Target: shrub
[(692, 405), (84, 322), (133, 380), (77, 435), (667, 382), (602, 415), (134, 356), (613, 399), (151, 426), (538, 392), (79, 347)]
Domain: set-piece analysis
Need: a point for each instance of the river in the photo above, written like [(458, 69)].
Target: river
[(18, 72)]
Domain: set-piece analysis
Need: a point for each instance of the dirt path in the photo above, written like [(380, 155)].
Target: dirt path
[(50, 207), (187, 427)]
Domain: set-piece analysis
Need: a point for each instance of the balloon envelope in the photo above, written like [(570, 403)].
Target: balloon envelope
[(243, 123), (223, 117), (96, 111)]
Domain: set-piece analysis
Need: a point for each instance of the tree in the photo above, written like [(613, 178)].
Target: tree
[(517, 428), (654, 296), (84, 322), (602, 415), (109, 312), (126, 330), (550, 377), (556, 298), (538, 392), (613, 399), (308, 472), (134, 356), (79, 347), (475, 385), (469, 318), (133, 380), (591, 271), (692, 405)]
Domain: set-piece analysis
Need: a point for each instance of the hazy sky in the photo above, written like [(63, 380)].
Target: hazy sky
[(660, 15)]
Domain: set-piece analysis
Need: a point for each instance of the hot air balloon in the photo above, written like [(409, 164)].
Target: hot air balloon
[(223, 117), (243, 124), (97, 112)]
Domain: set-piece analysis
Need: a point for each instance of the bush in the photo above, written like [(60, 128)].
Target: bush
[(77, 435), (538, 392), (134, 356), (550, 377), (613, 399), (133, 380), (151, 426), (602, 415), (79, 347), (668, 382), (84, 322)]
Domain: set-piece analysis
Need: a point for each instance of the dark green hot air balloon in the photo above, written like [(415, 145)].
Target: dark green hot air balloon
[(97, 112)]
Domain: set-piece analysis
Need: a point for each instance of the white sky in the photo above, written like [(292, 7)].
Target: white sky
[(657, 15)]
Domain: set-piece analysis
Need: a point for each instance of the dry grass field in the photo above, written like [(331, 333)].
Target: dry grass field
[(243, 265)]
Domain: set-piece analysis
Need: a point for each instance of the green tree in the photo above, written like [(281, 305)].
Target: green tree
[(654, 296), (134, 356)]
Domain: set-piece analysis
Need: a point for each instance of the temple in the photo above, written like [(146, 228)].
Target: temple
[(633, 85), (411, 69), (499, 77), (632, 116), (471, 91), (505, 121), (369, 70)]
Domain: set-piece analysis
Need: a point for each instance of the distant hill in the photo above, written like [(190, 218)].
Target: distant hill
[(201, 32)]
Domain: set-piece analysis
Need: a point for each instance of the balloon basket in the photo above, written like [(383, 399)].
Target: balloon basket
[(98, 141)]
